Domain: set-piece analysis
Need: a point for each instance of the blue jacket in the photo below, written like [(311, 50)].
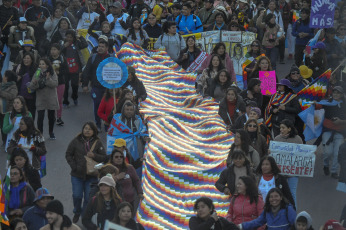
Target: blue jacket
[(35, 218), (191, 22), (299, 27), (281, 221)]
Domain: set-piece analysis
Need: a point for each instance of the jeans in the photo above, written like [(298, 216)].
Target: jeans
[(74, 78), (291, 40), (60, 90), (281, 48), (272, 54), (80, 189), (293, 184), (96, 95), (51, 120), (331, 150)]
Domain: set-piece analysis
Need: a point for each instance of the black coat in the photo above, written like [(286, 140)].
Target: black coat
[(223, 109), (196, 223), (227, 176), (257, 97), (5, 15), (186, 63), (137, 88), (33, 177), (292, 109), (89, 72), (133, 225)]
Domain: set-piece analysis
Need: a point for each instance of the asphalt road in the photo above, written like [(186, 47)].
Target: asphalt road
[(316, 195)]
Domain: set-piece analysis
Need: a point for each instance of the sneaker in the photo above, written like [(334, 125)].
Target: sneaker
[(59, 122), (52, 136), (326, 170), (75, 102), (335, 175), (290, 56), (75, 218)]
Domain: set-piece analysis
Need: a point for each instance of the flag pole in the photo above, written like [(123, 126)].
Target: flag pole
[(343, 62)]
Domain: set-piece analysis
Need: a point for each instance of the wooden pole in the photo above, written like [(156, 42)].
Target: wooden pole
[(343, 62), (115, 103), (7, 22)]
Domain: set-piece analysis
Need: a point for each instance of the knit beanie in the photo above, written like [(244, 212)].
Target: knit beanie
[(56, 207), (256, 110)]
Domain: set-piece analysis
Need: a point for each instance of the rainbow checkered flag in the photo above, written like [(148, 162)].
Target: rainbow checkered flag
[(315, 91), (4, 198)]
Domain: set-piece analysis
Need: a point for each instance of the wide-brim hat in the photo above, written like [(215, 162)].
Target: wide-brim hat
[(285, 82), (305, 72)]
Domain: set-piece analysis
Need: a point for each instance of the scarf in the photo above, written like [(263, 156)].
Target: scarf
[(295, 83), (15, 195), (4, 86), (268, 176), (253, 136), (276, 100)]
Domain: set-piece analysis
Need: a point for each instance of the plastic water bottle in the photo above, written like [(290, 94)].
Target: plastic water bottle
[(38, 73)]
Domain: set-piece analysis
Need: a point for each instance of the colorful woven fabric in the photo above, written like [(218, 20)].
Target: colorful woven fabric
[(315, 91), (189, 142)]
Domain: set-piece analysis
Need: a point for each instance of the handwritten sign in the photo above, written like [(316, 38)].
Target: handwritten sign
[(111, 73), (294, 159), (231, 36), (268, 82), (322, 13)]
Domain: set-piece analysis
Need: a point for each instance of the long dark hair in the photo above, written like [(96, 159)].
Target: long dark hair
[(238, 154), (32, 68), (267, 20), (132, 32), (187, 48), (260, 49), (273, 165), (66, 20), (256, 69), (228, 82), (50, 69), (283, 203), (21, 173), (24, 111), (19, 152), (245, 141), (217, 46), (121, 206), (123, 166), (101, 201), (30, 132), (251, 188), (210, 67), (93, 126), (207, 201), (289, 124), (108, 94), (15, 221)]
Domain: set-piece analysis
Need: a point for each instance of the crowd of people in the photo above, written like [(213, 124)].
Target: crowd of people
[(46, 41)]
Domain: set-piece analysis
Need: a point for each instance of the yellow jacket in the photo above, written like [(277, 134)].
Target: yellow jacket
[(158, 10)]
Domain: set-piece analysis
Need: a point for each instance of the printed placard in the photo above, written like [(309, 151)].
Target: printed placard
[(111, 73), (294, 159), (268, 82)]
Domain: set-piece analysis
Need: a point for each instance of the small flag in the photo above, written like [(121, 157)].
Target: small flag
[(5, 198)]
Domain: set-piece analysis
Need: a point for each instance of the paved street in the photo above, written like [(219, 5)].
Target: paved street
[(315, 195)]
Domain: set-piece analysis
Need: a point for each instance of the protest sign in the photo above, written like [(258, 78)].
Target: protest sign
[(268, 82), (322, 13), (112, 226), (111, 73), (294, 159)]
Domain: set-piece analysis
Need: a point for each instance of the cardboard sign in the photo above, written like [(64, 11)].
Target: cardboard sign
[(268, 80), (322, 13), (294, 159)]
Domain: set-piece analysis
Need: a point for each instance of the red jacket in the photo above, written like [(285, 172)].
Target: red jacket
[(105, 108), (240, 209)]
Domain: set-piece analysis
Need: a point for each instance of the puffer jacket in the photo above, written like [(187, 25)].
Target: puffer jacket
[(75, 155), (241, 210), (16, 35)]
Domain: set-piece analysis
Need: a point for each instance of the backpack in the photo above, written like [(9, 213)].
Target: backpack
[(164, 35), (194, 19)]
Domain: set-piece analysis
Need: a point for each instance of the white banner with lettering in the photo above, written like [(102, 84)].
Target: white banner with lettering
[(294, 159)]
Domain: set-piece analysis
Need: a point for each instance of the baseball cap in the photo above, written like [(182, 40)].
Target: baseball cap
[(119, 143)]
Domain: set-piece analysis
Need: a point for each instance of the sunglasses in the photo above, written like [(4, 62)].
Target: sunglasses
[(255, 45), (252, 126), (118, 157), (151, 18), (234, 26), (294, 73)]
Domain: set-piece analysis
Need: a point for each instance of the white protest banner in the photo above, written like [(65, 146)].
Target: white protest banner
[(231, 36), (112, 226), (111, 73), (294, 159)]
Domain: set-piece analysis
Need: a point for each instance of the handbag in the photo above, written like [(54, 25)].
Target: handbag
[(90, 163)]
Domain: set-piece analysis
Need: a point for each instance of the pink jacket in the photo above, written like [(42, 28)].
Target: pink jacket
[(240, 209), (228, 65)]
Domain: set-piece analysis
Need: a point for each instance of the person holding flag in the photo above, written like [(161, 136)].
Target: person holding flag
[(334, 127)]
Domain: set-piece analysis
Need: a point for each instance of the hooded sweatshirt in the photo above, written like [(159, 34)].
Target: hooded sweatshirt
[(307, 216)]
